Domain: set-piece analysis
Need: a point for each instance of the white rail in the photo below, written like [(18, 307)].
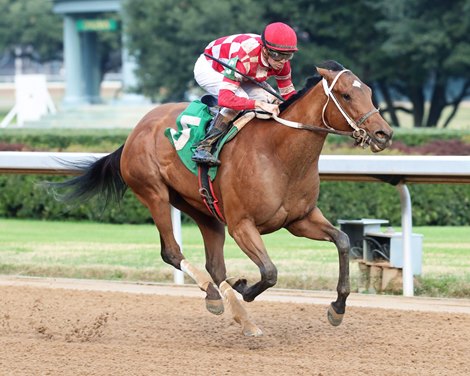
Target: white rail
[(397, 170)]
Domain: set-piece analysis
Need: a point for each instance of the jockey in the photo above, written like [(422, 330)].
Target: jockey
[(255, 56)]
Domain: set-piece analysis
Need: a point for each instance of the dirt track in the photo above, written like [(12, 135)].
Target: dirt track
[(70, 330)]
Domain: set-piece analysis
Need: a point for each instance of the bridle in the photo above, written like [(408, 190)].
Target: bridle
[(359, 134)]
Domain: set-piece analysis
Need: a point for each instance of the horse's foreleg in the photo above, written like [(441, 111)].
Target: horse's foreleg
[(316, 226), (238, 311), (213, 233), (249, 240)]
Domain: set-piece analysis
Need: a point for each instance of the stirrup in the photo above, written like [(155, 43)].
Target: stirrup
[(202, 156)]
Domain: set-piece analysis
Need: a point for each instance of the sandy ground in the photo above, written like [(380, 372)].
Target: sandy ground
[(70, 327)]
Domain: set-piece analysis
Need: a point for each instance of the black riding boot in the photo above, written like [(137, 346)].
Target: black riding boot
[(217, 130)]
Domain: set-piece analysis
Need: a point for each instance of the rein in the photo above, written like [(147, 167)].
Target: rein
[(313, 128), (359, 134)]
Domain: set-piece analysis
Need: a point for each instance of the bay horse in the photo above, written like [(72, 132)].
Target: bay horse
[(268, 180)]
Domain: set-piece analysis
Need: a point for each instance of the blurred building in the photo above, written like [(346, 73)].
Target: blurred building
[(83, 21)]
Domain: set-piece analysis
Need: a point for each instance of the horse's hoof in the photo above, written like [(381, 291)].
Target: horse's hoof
[(248, 297), (231, 280), (334, 318), (251, 330), (240, 286), (215, 307)]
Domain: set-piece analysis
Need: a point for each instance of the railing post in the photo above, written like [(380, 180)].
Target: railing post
[(407, 231), (178, 275)]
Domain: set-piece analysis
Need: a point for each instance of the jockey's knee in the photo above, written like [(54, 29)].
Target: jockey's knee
[(229, 113)]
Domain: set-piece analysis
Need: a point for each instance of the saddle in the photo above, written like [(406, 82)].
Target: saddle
[(191, 128)]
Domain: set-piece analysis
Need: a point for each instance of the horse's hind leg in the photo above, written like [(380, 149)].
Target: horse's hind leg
[(160, 209), (213, 234), (316, 226), (214, 302)]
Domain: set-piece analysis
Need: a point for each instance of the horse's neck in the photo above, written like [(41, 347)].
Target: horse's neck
[(308, 108), (303, 146)]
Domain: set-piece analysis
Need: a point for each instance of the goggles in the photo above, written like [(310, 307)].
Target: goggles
[(279, 56)]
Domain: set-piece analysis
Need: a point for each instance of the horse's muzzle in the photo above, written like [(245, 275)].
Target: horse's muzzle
[(381, 140)]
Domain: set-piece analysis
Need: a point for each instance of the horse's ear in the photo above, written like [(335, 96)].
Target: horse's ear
[(325, 73)]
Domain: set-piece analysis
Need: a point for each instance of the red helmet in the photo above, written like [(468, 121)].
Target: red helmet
[(279, 36)]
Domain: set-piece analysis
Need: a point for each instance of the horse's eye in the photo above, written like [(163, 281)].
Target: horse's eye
[(346, 97)]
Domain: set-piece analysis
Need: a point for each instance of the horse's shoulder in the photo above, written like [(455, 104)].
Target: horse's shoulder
[(169, 108), (160, 115)]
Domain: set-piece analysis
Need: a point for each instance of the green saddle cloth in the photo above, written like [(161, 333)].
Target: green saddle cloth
[(192, 123)]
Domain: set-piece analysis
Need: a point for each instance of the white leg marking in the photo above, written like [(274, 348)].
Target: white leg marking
[(238, 311), (202, 279)]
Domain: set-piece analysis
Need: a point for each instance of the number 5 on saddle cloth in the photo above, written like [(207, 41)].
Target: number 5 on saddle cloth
[(191, 128)]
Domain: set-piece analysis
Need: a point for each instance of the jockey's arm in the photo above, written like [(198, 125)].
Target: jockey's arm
[(284, 82), (228, 98), (272, 108)]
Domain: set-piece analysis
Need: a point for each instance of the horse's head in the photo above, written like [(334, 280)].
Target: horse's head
[(349, 105)]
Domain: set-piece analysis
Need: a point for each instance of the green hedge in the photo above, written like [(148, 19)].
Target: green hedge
[(107, 140), (436, 204), (98, 140), (23, 196), (415, 137)]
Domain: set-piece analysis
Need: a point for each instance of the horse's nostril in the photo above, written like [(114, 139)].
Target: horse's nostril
[(382, 136)]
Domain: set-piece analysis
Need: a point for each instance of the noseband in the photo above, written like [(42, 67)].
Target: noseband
[(359, 134)]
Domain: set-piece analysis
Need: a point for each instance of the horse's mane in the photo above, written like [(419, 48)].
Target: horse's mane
[(311, 82)]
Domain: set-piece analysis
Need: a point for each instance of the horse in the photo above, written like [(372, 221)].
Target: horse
[(268, 180)]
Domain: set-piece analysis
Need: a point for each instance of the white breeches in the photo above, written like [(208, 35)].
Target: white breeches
[(211, 80)]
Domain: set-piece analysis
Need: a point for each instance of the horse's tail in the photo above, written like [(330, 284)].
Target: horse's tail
[(100, 178)]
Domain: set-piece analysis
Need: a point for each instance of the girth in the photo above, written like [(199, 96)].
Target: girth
[(206, 190)]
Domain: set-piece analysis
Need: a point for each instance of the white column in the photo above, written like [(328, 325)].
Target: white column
[(129, 65), (74, 81), (178, 275), (91, 60), (407, 231), (128, 72), (18, 61)]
